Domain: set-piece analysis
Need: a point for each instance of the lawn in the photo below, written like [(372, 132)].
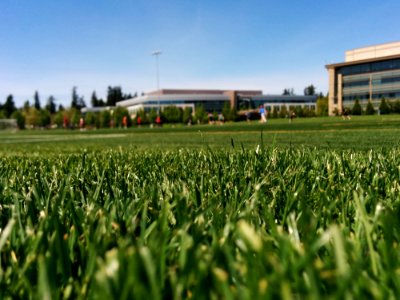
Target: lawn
[(359, 133), (201, 224), (307, 210)]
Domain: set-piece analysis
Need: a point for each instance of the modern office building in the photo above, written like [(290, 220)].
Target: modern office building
[(214, 100), (276, 102), (211, 100), (368, 74)]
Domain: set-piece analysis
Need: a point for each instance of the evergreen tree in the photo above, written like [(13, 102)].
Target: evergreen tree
[(81, 103), (9, 106), (114, 95), (369, 110), (51, 106), (19, 116), (233, 115), (357, 109), (384, 108), (274, 113), (74, 100), (94, 100), (74, 117), (90, 119), (226, 110), (61, 107), (127, 96), (36, 101), (187, 115), (300, 111), (77, 101), (44, 118), (105, 119), (288, 92), (172, 114), (396, 107), (143, 117), (309, 90), (152, 115), (283, 112), (26, 106), (322, 106), (59, 119), (118, 116), (32, 117), (200, 114)]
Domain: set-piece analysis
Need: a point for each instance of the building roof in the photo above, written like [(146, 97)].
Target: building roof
[(202, 92), (171, 97), (343, 64), (96, 109)]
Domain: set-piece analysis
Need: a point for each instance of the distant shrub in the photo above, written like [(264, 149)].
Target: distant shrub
[(369, 110), (356, 110), (384, 107)]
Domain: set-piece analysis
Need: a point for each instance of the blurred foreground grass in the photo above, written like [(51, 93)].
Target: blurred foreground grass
[(204, 224)]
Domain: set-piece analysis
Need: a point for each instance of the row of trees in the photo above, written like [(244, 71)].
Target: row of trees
[(33, 117), (385, 107), (173, 114), (33, 114), (114, 94), (310, 90)]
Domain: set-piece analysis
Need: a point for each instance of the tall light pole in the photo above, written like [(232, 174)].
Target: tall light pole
[(157, 54)]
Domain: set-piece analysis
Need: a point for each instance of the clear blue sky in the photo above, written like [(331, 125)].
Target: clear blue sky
[(51, 46)]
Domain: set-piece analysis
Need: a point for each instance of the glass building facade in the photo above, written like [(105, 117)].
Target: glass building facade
[(271, 102), (211, 102), (368, 74), (208, 105), (370, 82)]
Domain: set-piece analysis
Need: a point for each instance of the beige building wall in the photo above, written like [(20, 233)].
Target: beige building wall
[(340, 93), (332, 92), (373, 52)]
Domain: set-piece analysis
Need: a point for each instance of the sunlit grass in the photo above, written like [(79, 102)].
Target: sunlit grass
[(359, 133), (234, 224)]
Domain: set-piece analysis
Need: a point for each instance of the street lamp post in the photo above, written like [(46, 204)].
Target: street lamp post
[(157, 54)]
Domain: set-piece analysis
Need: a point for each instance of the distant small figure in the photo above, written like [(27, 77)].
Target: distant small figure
[(345, 115), (221, 119), (125, 122), (210, 118), (262, 114), (292, 116), (139, 121), (248, 116), (158, 121), (189, 123), (81, 123), (65, 122)]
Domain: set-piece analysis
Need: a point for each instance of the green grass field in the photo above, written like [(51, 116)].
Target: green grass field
[(360, 133), (308, 210)]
